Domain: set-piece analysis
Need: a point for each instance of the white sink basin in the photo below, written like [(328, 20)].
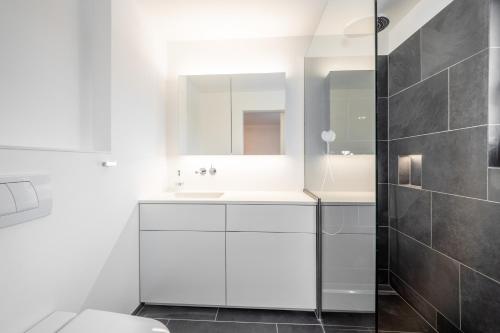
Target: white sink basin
[(199, 195)]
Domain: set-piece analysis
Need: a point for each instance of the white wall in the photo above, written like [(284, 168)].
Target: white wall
[(85, 253), (236, 57), (55, 65)]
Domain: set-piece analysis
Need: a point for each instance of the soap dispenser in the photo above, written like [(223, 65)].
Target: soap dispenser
[(179, 181)]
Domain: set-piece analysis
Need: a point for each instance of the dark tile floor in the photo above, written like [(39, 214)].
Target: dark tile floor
[(222, 320), (395, 315)]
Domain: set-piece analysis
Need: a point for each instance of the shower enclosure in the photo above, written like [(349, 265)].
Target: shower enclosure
[(340, 159)]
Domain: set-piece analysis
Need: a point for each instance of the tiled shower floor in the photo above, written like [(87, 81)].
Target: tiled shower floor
[(394, 316)]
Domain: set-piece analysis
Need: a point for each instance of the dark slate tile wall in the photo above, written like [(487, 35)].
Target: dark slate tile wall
[(404, 65), (444, 104), (428, 272), (382, 163), (480, 302), (410, 212), (457, 32), (420, 109), (469, 91)]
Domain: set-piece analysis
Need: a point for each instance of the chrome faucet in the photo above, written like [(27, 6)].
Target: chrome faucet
[(202, 171)]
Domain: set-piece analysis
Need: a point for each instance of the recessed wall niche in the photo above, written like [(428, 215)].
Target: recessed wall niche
[(410, 170), (55, 94)]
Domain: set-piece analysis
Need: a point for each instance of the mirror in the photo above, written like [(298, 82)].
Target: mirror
[(240, 114), (352, 111)]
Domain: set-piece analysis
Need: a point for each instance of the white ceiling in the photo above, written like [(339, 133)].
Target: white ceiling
[(395, 9), (232, 19)]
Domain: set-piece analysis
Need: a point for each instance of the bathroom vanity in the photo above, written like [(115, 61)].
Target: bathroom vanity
[(239, 250)]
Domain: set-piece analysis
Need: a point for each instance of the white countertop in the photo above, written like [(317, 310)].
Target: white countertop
[(353, 198), (237, 197), (268, 197)]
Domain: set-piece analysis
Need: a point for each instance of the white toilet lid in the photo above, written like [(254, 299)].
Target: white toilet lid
[(107, 322)]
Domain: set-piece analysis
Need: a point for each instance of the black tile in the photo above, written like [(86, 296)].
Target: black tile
[(185, 326), (286, 328), (494, 86), (434, 276), (410, 212), (424, 308), (382, 156), (382, 205), (382, 80), (494, 146), (348, 319), (457, 32), (382, 276), (494, 184), (480, 302), (469, 92), (420, 109), (467, 230), (177, 312), (394, 314), (453, 162), (444, 326), (382, 120), (267, 316), (382, 247), (404, 65)]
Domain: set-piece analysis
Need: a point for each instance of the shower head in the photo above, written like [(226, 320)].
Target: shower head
[(382, 23)]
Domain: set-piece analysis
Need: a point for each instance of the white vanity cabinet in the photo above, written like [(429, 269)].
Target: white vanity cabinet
[(182, 254), (237, 255), (271, 256)]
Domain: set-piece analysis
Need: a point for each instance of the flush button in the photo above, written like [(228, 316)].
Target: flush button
[(7, 205), (24, 196)]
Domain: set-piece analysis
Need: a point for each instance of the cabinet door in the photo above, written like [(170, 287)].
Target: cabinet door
[(271, 270), (182, 267)]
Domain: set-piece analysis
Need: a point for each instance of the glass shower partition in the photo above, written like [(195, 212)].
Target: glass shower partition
[(340, 159)]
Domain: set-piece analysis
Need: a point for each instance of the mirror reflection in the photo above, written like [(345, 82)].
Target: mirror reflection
[(240, 114), (352, 111)]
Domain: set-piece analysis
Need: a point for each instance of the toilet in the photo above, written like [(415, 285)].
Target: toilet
[(93, 321)]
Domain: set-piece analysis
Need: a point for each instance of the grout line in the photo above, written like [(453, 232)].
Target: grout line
[(420, 43), (418, 314), (460, 296), (417, 83), (447, 256), (235, 321), (431, 220), (444, 193), (438, 132), (425, 299), (422, 79), (449, 92)]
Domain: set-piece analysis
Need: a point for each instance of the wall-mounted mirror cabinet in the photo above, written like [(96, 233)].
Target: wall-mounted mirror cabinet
[(352, 111), (240, 114)]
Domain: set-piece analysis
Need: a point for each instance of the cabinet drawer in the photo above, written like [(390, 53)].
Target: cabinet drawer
[(271, 218), (183, 217)]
